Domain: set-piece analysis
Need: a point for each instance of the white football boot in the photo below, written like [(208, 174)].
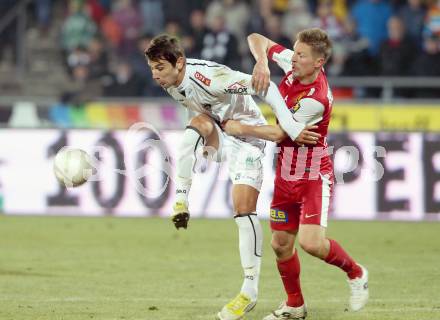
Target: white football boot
[(284, 312), (359, 291), (237, 308)]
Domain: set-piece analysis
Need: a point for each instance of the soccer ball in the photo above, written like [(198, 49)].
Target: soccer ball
[(72, 167)]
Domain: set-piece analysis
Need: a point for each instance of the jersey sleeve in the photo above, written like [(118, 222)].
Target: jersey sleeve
[(226, 81), (308, 111), (281, 56)]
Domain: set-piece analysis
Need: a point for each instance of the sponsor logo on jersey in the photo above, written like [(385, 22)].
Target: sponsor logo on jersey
[(278, 215), (202, 78), (236, 88)]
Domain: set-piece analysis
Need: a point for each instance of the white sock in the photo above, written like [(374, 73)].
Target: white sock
[(250, 245), (183, 186), (191, 141)]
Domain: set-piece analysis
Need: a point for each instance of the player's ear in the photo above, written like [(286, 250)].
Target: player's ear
[(180, 63), (319, 62)]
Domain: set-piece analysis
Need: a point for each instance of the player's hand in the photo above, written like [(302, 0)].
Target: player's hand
[(307, 136), (180, 220), (232, 127), (261, 78)]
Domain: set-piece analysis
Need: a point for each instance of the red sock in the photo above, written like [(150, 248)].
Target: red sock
[(339, 258), (289, 272)]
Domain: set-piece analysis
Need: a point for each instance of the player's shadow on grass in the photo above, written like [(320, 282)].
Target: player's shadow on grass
[(28, 273)]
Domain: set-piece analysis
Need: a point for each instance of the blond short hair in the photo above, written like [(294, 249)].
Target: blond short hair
[(318, 40)]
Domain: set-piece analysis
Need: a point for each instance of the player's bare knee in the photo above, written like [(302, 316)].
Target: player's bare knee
[(244, 208), (202, 123), (310, 247), (281, 248)]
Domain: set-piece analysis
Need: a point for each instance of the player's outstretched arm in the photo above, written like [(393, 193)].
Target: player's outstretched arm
[(265, 132), (259, 45), (235, 82), (269, 132)]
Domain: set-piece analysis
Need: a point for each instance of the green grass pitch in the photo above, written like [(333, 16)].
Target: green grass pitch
[(118, 268)]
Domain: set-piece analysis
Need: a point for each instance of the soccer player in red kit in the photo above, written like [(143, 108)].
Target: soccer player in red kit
[(304, 175)]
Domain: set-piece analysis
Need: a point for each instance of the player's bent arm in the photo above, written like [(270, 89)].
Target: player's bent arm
[(259, 45)]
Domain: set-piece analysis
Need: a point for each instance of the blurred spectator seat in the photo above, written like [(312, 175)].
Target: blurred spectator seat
[(24, 115), (59, 115), (78, 116), (97, 115), (117, 116), (132, 114)]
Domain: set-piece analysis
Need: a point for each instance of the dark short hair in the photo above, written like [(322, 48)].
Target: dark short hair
[(164, 47), (318, 40)]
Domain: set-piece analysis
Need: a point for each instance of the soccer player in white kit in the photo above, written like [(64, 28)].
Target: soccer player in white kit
[(214, 93)]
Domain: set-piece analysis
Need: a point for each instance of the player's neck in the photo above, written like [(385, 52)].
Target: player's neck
[(181, 76), (309, 79)]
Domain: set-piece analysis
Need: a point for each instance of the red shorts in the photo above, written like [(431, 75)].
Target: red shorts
[(300, 202)]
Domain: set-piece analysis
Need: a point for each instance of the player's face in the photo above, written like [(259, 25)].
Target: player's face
[(164, 73), (304, 62)]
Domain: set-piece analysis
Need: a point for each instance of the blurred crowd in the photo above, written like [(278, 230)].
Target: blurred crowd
[(103, 41)]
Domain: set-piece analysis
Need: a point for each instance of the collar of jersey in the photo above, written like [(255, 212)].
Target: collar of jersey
[(185, 80)]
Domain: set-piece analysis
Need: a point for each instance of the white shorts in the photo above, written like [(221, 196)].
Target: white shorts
[(244, 159)]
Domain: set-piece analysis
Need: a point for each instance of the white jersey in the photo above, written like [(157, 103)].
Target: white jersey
[(221, 93)]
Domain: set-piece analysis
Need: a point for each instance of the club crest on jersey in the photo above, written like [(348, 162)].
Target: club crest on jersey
[(278, 215), (202, 78), (300, 96), (236, 88), (297, 104), (295, 108)]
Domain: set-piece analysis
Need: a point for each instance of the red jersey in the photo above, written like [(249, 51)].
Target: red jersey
[(309, 104)]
